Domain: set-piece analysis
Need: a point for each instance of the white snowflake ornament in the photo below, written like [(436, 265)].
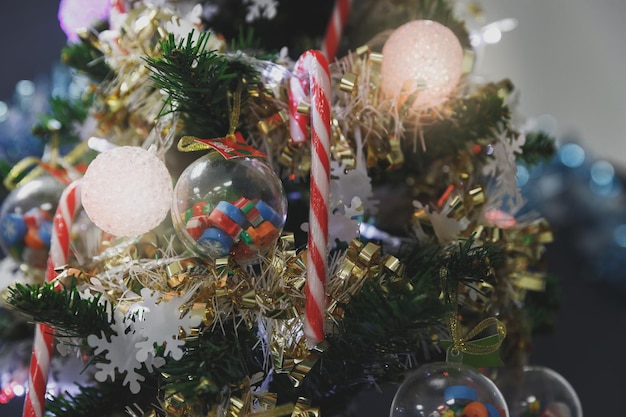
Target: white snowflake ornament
[(261, 8), (120, 351), (343, 224), (159, 322), (447, 229), (353, 185), (501, 169)]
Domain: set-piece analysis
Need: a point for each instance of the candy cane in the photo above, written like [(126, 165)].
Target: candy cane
[(336, 24), (317, 81), (43, 342), (298, 122)]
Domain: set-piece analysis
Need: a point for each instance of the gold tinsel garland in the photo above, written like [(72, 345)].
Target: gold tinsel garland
[(272, 291)]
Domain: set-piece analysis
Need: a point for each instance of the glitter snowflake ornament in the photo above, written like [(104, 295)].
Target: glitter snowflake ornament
[(127, 191), (229, 207)]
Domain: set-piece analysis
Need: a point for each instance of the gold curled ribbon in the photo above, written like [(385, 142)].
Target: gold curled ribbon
[(191, 144), (341, 148), (19, 175), (303, 409), (272, 122), (362, 262)]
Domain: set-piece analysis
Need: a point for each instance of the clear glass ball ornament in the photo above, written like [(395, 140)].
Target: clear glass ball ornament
[(26, 220), (444, 389), (538, 391), (229, 207)]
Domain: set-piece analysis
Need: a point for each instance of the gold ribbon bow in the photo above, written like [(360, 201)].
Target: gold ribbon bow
[(467, 344)]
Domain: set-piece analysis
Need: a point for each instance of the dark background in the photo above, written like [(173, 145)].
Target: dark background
[(588, 343)]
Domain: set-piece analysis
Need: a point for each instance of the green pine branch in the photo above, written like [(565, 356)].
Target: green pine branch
[(213, 360), (539, 147), (542, 306), (474, 119), (199, 83), (60, 121), (471, 264), (247, 42), (87, 59), (96, 401), (61, 308), (387, 327)]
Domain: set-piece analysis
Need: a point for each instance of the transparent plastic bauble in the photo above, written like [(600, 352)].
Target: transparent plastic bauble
[(229, 207), (538, 391), (444, 389), (26, 221)]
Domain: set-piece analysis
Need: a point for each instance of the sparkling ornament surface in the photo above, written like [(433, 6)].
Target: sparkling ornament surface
[(538, 391), (76, 14), (448, 389), (228, 207), (423, 57), (126, 191), (26, 220)]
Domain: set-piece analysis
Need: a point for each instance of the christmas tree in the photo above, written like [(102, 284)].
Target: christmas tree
[(251, 208)]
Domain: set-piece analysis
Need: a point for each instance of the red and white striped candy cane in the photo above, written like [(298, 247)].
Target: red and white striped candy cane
[(118, 6), (336, 25), (298, 92), (311, 73), (43, 343)]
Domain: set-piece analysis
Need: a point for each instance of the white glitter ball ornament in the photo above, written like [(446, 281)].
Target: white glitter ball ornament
[(127, 191), (421, 56)]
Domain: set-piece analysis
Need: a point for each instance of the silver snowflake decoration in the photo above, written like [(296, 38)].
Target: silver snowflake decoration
[(261, 8)]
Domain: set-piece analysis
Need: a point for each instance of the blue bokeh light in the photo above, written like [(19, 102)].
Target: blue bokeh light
[(572, 155)]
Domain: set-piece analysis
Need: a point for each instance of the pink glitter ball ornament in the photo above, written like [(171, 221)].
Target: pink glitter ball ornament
[(78, 14), (423, 57)]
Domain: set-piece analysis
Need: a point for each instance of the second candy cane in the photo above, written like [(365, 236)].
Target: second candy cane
[(311, 74), (334, 29), (43, 343)]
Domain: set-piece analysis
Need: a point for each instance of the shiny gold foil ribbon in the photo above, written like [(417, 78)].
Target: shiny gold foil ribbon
[(523, 246), (361, 262), (303, 409), (341, 148), (290, 354), (272, 122)]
